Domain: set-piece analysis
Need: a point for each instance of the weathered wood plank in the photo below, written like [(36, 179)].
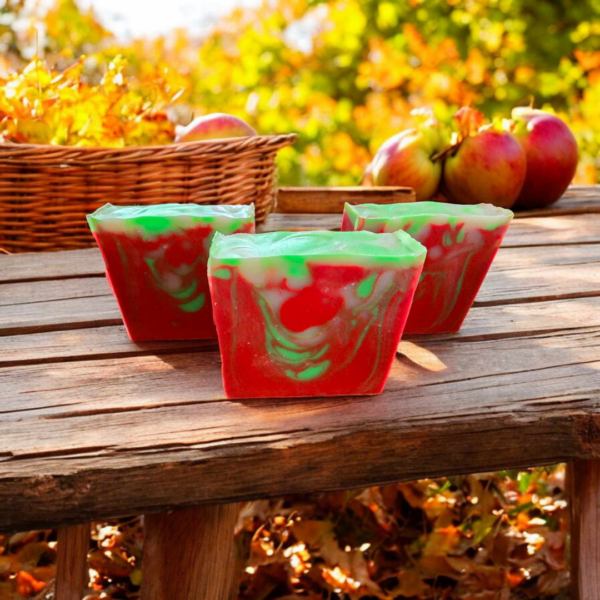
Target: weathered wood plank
[(585, 529), (578, 199), (80, 440), (71, 561), (65, 390), (188, 554), (299, 222), (33, 266), (535, 274), (332, 199), (57, 315), (532, 231), (550, 231), (482, 323), (88, 263), (515, 320), (542, 273), (88, 343), (17, 294)]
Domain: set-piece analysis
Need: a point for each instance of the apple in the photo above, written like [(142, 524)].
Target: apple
[(488, 167), (212, 127), (551, 153), (407, 159), (487, 164)]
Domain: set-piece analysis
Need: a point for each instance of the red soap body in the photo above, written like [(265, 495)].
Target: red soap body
[(163, 295), (452, 274), (360, 345), (450, 282)]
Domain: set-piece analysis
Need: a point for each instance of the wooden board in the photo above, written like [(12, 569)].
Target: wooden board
[(71, 562), (92, 425), (51, 265), (531, 231), (80, 440), (332, 199), (85, 263), (585, 528), (578, 199), (541, 273), (493, 322), (189, 554), (88, 343)]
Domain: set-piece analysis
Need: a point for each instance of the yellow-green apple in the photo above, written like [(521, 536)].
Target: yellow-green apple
[(486, 165), (551, 152), (212, 127), (407, 159)]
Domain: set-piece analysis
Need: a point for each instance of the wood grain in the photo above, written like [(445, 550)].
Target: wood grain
[(188, 554), (50, 265), (532, 231), (553, 231), (71, 561), (88, 343), (482, 323), (80, 440), (60, 314), (93, 426), (541, 273), (332, 199), (524, 231), (585, 529), (577, 200), (536, 275)]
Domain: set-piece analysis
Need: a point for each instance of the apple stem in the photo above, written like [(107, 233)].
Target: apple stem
[(442, 154)]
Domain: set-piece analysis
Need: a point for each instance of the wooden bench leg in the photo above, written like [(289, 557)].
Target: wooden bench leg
[(188, 554), (71, 561), (585, 529)]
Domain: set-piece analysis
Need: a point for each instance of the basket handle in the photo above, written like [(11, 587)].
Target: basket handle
[(332, 199)]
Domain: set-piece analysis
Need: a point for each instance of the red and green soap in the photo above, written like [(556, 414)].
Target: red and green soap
[(312, 313), (156, 260), (461, 242)]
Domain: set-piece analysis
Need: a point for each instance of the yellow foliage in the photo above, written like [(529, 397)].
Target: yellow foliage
[(43, 106)]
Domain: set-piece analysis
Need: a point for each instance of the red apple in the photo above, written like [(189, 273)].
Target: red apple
[(486, 165), (406, 160), (551, 152), (212, 127)]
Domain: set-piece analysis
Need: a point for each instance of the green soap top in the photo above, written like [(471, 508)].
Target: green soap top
[(361, 246), (484, 215), (161, 218), (235, 211)]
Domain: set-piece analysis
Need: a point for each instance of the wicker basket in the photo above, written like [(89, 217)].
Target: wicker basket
[(46, 191)]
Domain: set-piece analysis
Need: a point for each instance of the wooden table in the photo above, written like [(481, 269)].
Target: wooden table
[(93, 425)]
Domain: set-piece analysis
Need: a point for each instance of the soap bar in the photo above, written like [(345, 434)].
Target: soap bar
[(156, 260), (311, 313), (461, 242)]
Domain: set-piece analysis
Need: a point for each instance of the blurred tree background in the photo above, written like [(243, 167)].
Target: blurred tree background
[(346, 74)]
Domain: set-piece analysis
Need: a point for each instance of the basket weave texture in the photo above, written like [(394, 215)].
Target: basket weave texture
[(47, 191)]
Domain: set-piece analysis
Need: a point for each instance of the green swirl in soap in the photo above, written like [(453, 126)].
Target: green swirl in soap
[(278, 265), (161, 221)]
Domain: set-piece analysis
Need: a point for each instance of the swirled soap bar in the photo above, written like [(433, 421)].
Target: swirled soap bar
[(312, 313), (461, 243), (156, 264)]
